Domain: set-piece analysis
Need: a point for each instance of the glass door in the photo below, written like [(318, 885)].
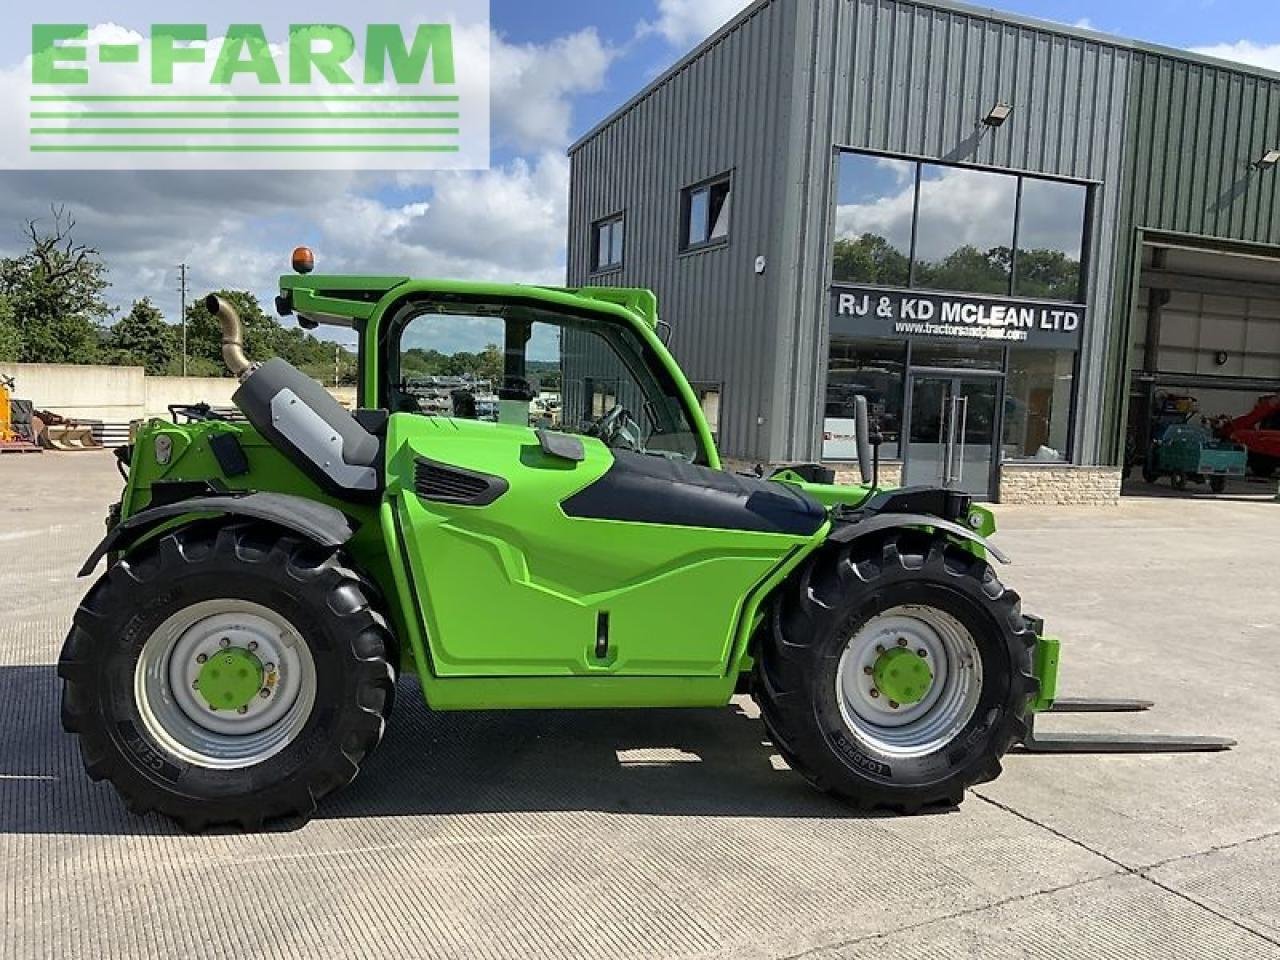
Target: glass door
[(952, 439)]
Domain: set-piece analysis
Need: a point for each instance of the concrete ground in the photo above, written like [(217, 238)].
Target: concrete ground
[(679, 834)]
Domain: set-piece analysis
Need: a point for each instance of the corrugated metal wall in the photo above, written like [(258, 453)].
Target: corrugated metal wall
[(1167, 141), (723, 111), (916, 80), (1196, 132)]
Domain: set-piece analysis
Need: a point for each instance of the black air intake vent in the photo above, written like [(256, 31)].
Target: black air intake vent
[(442, 483)]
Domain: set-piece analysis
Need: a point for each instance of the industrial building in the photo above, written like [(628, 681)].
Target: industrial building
[(1021, 241)]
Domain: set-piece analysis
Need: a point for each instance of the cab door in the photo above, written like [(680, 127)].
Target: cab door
[(531, 550)]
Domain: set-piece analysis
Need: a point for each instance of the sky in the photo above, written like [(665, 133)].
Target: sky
[(558, 67)]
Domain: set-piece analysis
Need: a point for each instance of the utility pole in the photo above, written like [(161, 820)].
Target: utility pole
[(182, 286)]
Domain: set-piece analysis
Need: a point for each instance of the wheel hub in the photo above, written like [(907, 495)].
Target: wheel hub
[(902, 676), (909, 680), (231, 679), (225, 683)]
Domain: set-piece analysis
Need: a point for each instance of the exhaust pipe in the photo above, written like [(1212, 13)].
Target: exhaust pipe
[(232, 336)]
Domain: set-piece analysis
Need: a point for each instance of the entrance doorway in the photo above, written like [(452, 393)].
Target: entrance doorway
[(953, 430)]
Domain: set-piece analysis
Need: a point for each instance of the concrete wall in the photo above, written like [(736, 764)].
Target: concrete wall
[(109, 394), (120, 394)]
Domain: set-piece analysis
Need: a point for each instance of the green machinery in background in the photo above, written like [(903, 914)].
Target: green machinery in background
[(1187, 452)]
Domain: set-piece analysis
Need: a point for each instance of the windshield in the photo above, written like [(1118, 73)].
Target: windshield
[(515, 364)]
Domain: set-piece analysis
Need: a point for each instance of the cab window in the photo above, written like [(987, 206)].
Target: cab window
[(531, 367)]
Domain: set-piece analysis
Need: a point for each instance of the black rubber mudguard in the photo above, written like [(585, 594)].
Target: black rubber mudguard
[(848, 532), (320, 522)]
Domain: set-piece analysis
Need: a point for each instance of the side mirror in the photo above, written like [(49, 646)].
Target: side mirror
[(862, 432)]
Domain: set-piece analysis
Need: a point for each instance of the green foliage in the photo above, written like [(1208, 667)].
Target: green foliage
[(10, 340), (264, 338), (55, 292), (1048, 275), (967, 269), (143, 339), (871, 259), (486, 365), (1042, 274)]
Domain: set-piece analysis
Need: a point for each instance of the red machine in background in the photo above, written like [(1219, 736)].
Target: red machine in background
[(1259, 433)]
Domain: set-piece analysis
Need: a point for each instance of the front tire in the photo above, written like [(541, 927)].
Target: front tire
[(227, 675), (836, 636)]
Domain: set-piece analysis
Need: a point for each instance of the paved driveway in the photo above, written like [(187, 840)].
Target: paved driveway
[(679, 834)]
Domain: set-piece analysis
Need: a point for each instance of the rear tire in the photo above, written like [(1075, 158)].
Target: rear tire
[(1263, 466), (905, 583), (1218, 484), (299, 624)]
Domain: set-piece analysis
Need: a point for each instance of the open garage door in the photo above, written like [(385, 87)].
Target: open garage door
[(1206, 353)]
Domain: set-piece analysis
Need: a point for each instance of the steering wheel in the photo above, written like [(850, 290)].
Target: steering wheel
[(618, 428)]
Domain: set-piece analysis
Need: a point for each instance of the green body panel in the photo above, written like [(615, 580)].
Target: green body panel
[(673, 595), (1045, 666), (501, 606)]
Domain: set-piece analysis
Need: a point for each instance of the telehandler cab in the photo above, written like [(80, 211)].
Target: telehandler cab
[(527, 511)]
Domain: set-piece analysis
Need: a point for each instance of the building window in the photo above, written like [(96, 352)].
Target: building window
[(607, 244), (1037, 406), (873, 244), (875, 369), (910, 224), (1051, 240), (964, 230), (704, 214)]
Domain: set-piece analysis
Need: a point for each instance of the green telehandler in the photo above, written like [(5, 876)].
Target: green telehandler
[(527, 510)]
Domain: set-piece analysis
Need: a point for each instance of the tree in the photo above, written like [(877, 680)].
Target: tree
[(143, 339), (55, 292), (10, 341), (871, 259), (968, 269)]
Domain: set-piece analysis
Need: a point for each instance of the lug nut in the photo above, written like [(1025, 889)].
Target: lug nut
[(270, 668), (264, 693), (224, 642), (902, 641), (253, 645), (213, 708), (868, 671), (893, 704), (923, 652), (202, 658), (875, 694), (879, 648), (195, 685), (242, 710)]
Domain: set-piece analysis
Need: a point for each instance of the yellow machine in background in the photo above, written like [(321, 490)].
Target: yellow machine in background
[(12, 438), (6, 411)]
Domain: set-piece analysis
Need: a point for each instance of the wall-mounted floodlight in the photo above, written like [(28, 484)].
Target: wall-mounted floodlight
[(1269, 161), (998, 115)]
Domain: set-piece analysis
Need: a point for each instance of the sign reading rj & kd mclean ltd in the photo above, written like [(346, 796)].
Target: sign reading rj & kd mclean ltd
[(910, 314)]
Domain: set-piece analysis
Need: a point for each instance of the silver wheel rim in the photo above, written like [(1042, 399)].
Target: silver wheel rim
[(922, 728), (184, 724)]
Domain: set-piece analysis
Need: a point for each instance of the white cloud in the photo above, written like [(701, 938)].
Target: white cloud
[(960, 207), (533, 86), (1245, 51), (685, 23)]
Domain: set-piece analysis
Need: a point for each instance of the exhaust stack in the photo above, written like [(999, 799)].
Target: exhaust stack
[(232, 336)]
